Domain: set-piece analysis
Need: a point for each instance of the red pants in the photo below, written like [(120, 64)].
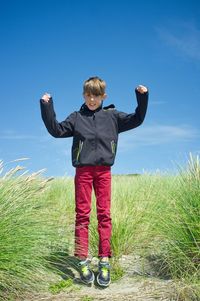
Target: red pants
[(87, 177)]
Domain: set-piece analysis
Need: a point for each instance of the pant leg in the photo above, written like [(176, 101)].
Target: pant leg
[(102, 187), (83, 191)]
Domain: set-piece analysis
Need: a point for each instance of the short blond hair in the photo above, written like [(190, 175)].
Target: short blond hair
[(95, 86)]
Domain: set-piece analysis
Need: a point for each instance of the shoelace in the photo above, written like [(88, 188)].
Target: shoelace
[(85, 270), (104, 271)]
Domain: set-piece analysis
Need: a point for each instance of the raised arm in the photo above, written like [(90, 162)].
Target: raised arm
[(56, 129), (129, 121)]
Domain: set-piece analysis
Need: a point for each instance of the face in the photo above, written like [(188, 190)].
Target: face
[(93, 101)]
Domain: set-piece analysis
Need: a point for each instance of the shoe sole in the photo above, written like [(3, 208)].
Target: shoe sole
[(90, 282), (100, 284)]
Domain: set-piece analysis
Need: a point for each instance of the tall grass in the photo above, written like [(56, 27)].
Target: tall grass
[(30, 226), (157, 215), (178, 228)]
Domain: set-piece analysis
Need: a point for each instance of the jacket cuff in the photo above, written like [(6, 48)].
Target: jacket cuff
[(45, 102), (145, 93)]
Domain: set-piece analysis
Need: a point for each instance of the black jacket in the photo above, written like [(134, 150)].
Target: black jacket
[(95, 133)]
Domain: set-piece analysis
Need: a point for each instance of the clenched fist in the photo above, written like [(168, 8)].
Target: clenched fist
[(46, 97), (142, 89)]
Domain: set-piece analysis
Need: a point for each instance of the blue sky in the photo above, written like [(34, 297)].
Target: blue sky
[(53, 46)]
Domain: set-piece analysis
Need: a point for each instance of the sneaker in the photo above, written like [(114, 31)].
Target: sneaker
[(86, 274), (103, 277)]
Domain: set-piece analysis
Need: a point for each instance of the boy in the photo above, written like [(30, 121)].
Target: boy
[(95, 135)]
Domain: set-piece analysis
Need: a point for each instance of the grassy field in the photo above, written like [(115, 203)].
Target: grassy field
[(155, 215)]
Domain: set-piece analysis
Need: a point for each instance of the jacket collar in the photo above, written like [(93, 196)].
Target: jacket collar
[(85, 109)]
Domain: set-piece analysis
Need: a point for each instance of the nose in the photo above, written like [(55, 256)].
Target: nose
[(92, 98)]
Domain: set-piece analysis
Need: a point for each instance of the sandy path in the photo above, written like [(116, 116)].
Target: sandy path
[(138, 283)]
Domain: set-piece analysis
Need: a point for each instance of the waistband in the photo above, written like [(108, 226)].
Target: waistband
[(93, 168)]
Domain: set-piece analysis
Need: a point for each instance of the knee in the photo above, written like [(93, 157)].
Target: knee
[(103, 216), (82, 219)]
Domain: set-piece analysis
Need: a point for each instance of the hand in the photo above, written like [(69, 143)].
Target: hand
[(142, 89), (46, 97)]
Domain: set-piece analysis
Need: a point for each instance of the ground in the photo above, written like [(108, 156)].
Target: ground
[(140, 282)]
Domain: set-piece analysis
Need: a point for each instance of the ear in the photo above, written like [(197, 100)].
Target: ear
[(104, 96)]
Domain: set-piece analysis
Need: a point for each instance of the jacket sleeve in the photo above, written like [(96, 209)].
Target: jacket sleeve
[(56, 129), (129, 121)]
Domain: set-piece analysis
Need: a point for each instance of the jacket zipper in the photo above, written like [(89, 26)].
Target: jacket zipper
[(94, 119)]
